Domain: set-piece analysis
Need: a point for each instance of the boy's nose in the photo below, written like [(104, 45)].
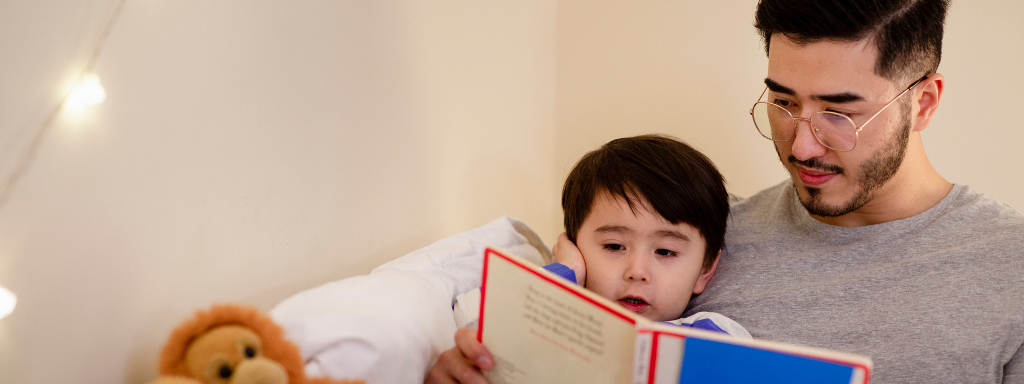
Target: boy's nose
[(637, 270)]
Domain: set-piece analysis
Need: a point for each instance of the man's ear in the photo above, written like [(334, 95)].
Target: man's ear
[(705, 275), (927, 99)]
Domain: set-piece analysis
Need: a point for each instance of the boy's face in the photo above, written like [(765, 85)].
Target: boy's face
[(641, 261)]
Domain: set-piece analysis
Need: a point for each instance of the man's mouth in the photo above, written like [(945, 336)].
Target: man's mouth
[(814, 171), (633, 303), (813, 177)]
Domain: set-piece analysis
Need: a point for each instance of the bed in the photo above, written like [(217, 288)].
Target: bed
[(390, 326)]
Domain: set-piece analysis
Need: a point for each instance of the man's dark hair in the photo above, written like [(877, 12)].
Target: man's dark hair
[(678, 182), (907, 33)]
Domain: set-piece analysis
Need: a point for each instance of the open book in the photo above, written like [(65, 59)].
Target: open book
[(541, 328)]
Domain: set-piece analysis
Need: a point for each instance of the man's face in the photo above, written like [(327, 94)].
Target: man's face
[(838, 77), (641, 261)]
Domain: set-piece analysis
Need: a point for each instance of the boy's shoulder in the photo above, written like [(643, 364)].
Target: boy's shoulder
[(712, 321)]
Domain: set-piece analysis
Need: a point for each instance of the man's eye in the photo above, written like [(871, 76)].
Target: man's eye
[(666, 252), (614, 247), (838, 112), (783, 103)]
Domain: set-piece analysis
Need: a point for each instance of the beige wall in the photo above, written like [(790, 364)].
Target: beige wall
[(249, 150), (690, 69)]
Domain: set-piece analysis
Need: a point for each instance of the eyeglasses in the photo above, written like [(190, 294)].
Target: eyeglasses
[(834, 130)]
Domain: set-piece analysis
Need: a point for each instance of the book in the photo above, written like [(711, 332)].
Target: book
[(541, 328)]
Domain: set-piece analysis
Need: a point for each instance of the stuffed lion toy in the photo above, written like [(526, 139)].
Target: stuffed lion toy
[(230, 344)]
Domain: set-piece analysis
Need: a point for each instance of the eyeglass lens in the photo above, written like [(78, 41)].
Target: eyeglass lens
[(832, 130)]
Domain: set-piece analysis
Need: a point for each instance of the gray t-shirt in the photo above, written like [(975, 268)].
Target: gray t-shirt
[(934, 298)]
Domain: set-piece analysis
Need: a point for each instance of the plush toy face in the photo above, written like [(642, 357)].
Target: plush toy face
[(232, 354)]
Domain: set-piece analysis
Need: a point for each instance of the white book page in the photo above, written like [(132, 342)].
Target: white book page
[(541, 328), (670, 358)]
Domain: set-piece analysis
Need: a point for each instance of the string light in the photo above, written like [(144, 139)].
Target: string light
[(88, 92), (7, 302)]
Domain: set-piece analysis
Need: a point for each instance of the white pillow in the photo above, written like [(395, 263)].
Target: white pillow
[(391, 325)]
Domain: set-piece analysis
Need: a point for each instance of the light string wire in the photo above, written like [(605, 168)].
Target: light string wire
[(28, 152)]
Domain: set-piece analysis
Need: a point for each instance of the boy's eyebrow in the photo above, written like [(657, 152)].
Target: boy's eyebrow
[(613, 228), (623, 229), (675, 234), (838, 98)]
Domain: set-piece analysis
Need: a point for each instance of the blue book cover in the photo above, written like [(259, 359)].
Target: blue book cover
[(668, 355)]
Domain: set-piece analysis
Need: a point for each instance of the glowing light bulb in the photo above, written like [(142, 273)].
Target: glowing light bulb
[(7, 302), (89, 91)]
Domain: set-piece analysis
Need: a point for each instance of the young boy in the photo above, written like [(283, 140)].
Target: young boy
[(648, 215)]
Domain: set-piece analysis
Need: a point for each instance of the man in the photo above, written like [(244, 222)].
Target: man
[(867, 249)]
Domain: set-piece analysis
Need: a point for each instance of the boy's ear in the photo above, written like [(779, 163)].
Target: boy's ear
[(705, 275)]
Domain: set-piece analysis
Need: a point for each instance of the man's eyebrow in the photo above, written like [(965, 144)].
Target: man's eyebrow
[(838, 98), (778, 88), (674, 234)]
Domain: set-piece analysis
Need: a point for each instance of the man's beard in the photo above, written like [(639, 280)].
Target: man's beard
[(875, 172)]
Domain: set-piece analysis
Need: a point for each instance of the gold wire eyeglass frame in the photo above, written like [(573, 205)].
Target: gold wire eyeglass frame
[(814, 130)]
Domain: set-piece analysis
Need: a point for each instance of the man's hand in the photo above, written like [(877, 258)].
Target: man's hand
[(566, 253), (464, 363)]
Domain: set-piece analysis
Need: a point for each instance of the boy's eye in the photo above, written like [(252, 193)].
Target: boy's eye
[(665, 252), (614, 247)]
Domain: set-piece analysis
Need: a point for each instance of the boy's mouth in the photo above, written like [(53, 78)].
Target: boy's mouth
[(633, 303)]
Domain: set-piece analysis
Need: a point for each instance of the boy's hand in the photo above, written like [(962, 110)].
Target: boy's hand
[(566, 253), (462, 364)]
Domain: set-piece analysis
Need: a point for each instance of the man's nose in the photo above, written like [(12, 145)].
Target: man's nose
[(805, 145), (638, 269)]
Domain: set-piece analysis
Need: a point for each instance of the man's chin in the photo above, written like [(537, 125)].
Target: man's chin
[(814, 201), (816, 208)]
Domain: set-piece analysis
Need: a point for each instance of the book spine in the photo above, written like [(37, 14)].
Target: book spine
[(642, 358)]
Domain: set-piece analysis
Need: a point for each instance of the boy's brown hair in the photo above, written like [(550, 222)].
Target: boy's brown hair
[(679, 183)]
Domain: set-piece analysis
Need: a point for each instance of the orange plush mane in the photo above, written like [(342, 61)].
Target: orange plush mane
[(275, 346)]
